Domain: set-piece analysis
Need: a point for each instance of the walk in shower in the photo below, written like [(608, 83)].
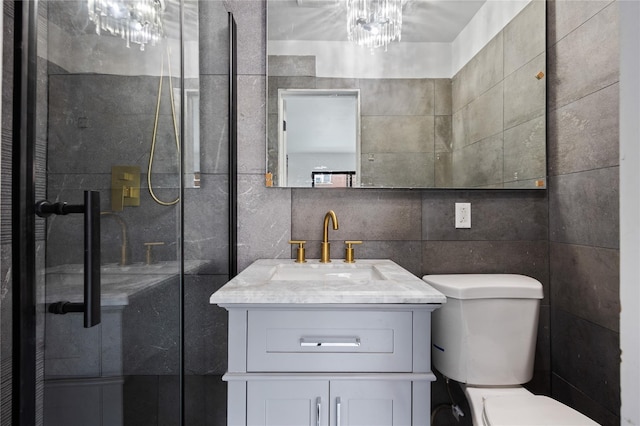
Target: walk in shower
[(124, 152)]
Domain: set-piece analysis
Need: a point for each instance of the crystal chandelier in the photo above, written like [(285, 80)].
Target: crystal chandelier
[(374, 23), (136, 21)]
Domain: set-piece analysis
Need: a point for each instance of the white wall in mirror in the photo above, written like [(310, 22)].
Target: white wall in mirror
[(441, 58)]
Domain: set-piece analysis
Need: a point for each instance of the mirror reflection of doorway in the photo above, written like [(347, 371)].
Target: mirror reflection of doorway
[(319, 135)]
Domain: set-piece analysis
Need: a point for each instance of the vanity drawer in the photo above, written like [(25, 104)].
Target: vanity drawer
[(331, 341)]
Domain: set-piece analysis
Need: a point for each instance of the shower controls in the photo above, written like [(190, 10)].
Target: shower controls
[(125, 187)]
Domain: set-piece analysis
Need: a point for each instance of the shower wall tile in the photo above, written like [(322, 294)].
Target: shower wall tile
[(523, 39), (251, 125), (585, 133), (468, 172), (213, 27), (250, 17), (565, 16), (381, 170), (398, 134), (480, 74), (397, 96), (587, 356), (443, 170), (206, 219), (495, 216), (367, 214), (264, 221), (151, 326), (573, 73), (524, 94), (140, 399), (205, 329), (524, 151), (568, 394), (590, 197), (214, 136), (586, 282)]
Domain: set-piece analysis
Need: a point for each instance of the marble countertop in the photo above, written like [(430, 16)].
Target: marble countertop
[(255, 285), (118, 283)]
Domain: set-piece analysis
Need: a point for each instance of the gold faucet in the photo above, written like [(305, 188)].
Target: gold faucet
[(124, 247), (326, 254)]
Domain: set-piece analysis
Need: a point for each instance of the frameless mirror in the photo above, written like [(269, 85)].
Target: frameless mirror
[(458, 102)]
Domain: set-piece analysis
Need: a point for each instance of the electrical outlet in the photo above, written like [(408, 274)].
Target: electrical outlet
[(463, 215)]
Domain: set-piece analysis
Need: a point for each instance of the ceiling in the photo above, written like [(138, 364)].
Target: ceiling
[(423, 20)]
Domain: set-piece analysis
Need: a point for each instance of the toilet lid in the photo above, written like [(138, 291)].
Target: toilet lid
[(531, 410)]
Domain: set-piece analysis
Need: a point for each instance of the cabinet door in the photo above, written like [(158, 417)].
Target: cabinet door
[(371, 403), (288, 403)]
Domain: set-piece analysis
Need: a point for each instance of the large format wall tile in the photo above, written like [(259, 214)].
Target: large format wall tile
[(524, 151), (586, 60), (481, 118), (524, 94), (264, 221), (587, 356), (381, 170), (250, 16), (487, 257), (494, 216), (214, 137), (468, 172), (251, 124), (480, 74), (397, 96), (585, 133), (399, 134), (586, 282), (584, 208), (523, 39), (568, 394), (367, 214), (213, 26), (565, 16)]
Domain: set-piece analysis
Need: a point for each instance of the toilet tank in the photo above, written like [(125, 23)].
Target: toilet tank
[(485, 334)]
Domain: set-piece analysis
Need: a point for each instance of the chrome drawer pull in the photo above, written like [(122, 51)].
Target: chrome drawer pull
[(318, 410), (338, 414), (352, 342)]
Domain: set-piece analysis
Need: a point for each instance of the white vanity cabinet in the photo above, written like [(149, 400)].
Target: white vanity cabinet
[(328, 350)]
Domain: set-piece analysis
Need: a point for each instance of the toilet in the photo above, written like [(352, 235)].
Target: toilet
[(484, 337)]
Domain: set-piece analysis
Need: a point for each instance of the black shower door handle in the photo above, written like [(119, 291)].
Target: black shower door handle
[(91, 211)]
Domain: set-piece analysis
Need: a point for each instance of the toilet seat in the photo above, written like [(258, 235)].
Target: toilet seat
[(530, 410)]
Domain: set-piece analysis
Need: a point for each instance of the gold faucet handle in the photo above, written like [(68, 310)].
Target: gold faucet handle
[(300, 251), (149, 253), (348, 255)]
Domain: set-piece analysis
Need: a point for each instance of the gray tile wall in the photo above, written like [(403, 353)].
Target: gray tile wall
[(583, 206), (498, 108)]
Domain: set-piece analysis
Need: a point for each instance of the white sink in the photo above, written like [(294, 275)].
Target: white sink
[(326, 272)]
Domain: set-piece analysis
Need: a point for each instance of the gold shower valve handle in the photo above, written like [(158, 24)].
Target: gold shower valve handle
[(348, 255), (149, 253), (300, 251)]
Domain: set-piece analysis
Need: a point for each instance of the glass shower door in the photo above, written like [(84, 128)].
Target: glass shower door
[(108, 122)]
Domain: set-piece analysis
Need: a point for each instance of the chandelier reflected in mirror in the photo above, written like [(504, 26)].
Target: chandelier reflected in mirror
[(135, 21), (374, 23)]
